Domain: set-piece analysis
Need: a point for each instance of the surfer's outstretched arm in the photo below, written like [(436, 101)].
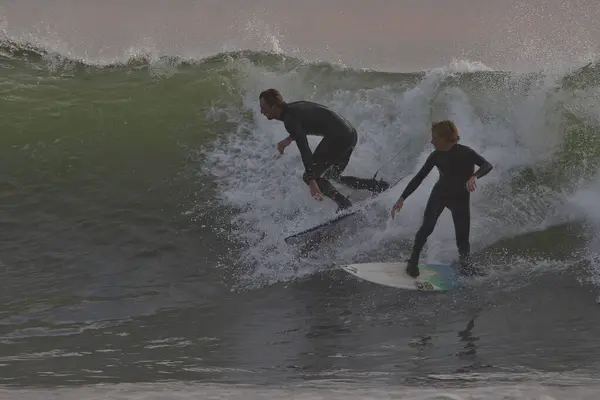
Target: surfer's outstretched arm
[(414, 183), (418, 178)]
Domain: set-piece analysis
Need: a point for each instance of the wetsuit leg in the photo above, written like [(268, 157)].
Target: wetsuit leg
[(341, 157), (433, 210), (461, 215), (323, 159)]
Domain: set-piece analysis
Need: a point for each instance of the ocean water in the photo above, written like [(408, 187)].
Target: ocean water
[(144, 209)]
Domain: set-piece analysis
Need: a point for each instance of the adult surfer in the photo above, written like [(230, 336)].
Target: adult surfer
[(332, 154), (456, 164)]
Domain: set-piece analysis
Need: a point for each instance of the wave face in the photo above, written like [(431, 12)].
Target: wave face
[(539, 130)]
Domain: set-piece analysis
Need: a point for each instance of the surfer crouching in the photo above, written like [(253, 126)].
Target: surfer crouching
[(456, 164), (330, 158)]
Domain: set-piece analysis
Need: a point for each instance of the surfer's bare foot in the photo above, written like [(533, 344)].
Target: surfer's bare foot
[(412, 269)]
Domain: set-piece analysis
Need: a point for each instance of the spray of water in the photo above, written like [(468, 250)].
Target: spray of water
[(516, 121), (274, 202)]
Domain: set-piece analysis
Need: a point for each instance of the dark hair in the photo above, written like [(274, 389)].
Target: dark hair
[(272, 97), (447, 129)]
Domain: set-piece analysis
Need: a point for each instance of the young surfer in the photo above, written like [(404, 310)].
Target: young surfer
[(456, 164)]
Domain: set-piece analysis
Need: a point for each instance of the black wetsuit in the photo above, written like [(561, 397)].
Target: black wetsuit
[(455, 166), (330, 158)]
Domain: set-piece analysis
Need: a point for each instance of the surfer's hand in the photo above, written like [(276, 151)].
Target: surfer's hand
[(397, 206), (283, 144), (471, 183), (315, 192)]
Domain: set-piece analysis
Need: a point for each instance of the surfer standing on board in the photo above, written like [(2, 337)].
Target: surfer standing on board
[(330, 158), (456, 164)]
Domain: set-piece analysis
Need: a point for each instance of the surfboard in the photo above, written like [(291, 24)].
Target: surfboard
[(432, 277), (333, 226), (315, 233)]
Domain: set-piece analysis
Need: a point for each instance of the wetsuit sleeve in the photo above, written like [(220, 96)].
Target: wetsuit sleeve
[(418, 178), (484, 165), (299, 136)]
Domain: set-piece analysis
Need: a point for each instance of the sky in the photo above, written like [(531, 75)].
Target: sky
[(399, 35)]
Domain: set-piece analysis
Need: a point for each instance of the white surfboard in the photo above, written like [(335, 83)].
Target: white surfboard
[(432, 277)]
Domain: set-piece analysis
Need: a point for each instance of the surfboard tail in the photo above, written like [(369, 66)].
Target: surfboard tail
[(316, 233)]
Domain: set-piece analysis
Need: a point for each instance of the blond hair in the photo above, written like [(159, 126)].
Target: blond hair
[(446, 129)]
